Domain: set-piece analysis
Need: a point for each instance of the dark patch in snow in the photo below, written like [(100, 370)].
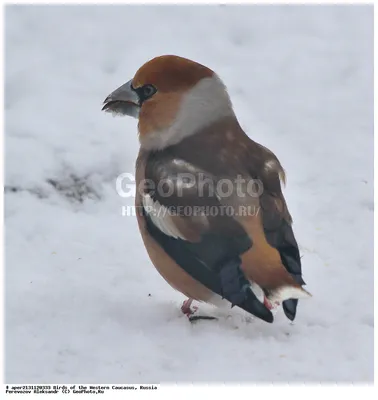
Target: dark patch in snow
[(75, 188), (34, 191)]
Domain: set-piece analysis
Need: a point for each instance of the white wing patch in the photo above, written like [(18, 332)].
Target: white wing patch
[(161, 217)]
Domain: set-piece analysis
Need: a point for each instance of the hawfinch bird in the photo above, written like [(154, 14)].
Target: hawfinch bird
[(212, 214)]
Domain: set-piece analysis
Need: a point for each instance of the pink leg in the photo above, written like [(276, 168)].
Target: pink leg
[(186, 309), (269, 305), (189, 311)]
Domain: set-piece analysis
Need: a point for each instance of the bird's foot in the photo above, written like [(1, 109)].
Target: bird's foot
[(190, 311), (269, 305), (187, 309)]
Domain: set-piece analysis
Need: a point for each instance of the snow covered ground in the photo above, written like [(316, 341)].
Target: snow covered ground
[(83, 302)]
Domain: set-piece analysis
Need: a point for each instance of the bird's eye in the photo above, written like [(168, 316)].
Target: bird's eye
[(145, 92), (148, 91)]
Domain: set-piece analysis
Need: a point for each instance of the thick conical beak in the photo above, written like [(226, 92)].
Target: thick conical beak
[(123, 101)]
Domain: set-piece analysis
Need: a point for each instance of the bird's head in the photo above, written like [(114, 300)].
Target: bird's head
[(173, 97)]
